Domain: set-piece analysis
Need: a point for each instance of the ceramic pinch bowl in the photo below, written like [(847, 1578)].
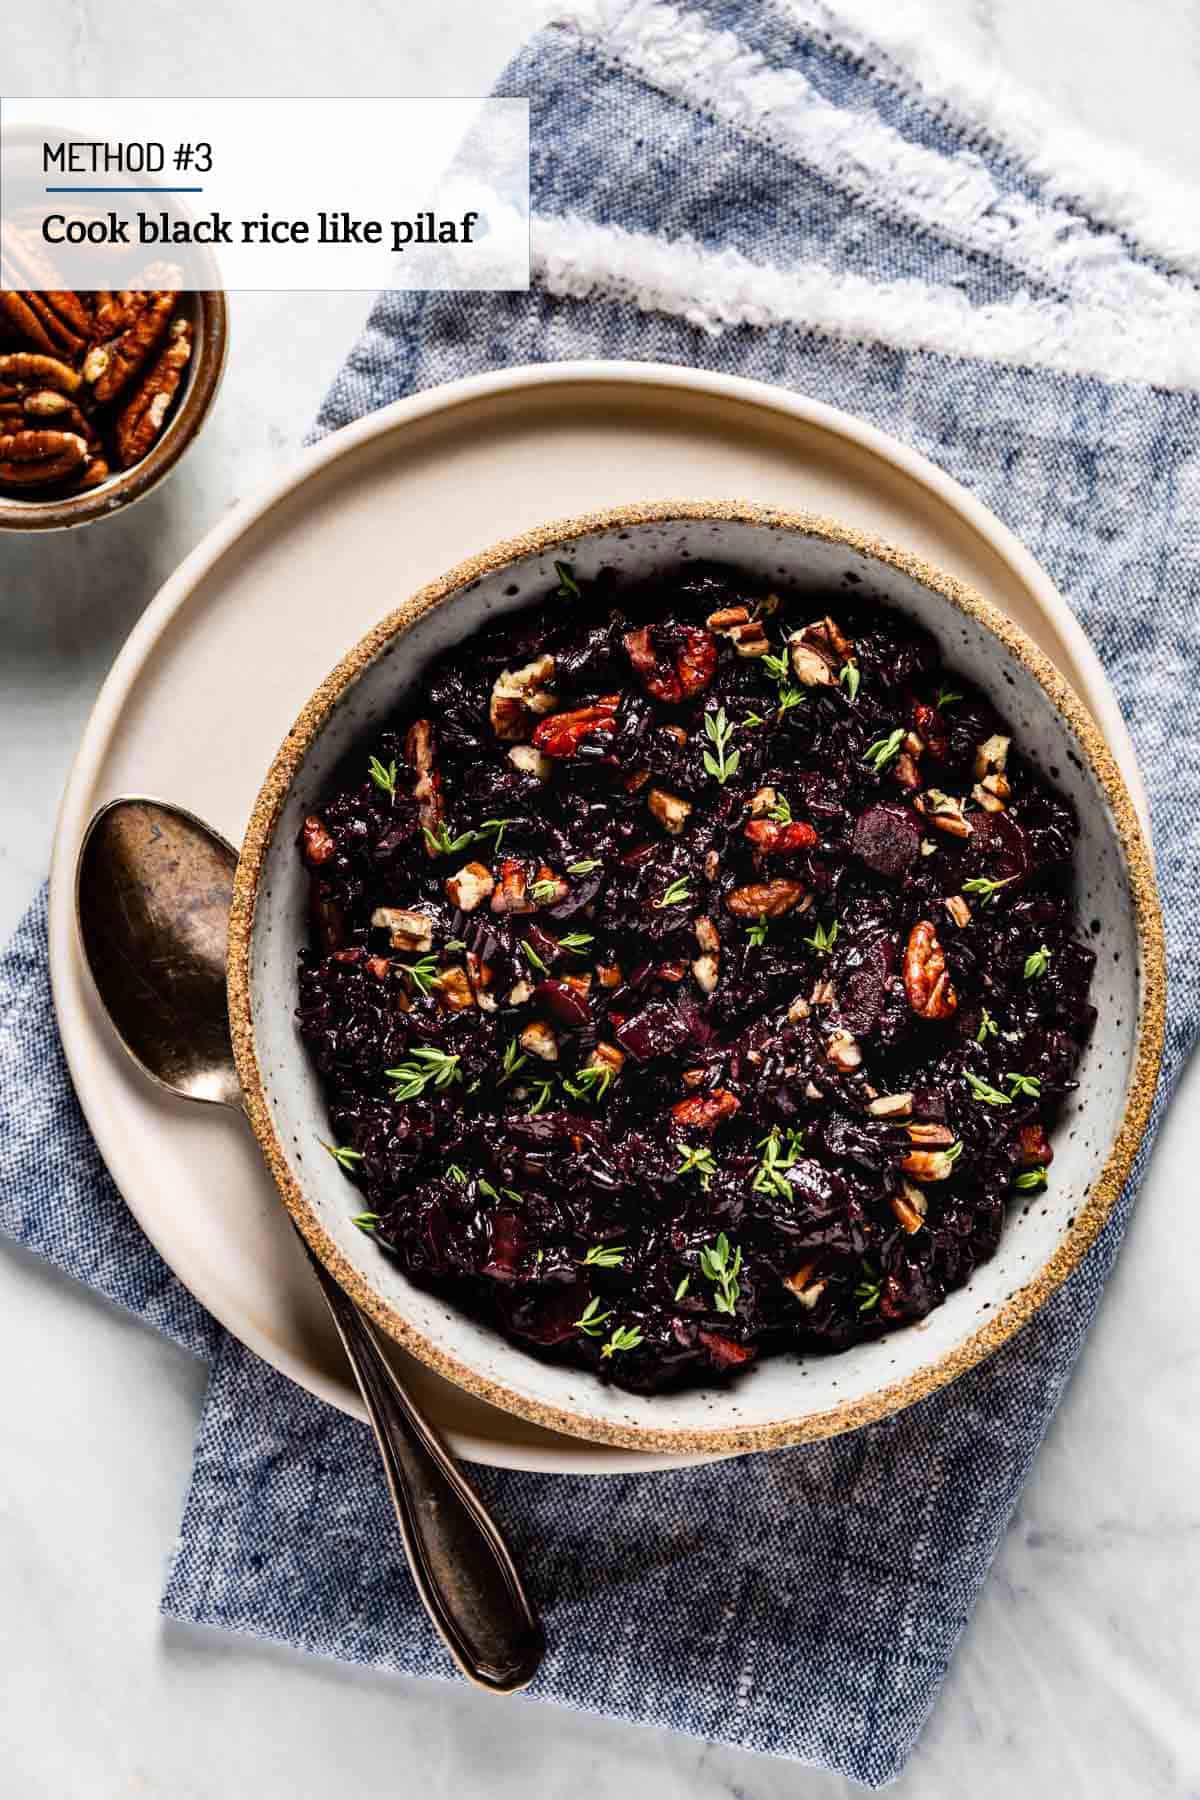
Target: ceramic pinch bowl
[(784, 1399)]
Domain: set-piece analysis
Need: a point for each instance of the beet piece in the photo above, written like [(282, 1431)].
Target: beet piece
[(1000, 848), (862, 985), (563, 1004), (655, 1031), (887, 837)]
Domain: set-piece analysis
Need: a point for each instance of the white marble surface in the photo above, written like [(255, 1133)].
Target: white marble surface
[(1078, 1673)]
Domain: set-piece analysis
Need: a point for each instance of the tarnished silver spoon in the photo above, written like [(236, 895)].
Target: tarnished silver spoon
[(154, 886)]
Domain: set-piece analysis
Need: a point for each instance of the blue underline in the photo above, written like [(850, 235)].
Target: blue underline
[(124, 190)]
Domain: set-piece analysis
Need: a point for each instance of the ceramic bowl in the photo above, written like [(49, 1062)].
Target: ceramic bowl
[(784, 1399)]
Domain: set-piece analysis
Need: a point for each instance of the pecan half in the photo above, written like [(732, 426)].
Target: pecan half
[(139, 424), (562, 733), (774, 840), (769, 898), (945, 812), (26, 373), (927, 983), (36, 458), (704, 1112), (109, 367)]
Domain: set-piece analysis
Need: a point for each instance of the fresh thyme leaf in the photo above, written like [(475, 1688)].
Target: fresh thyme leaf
[(697, 1162), (424, 1066), (604, 1256), (985, 889), (543, 891), (441, 843), (626, 1337), (344, 1157), (485, 1187), (987, 1026), (850, 676), (868, 1290), (683, 1287), (585, 866), (954, 1152), (512, 1194), (676, 895), (539, 1259), (590, 1083), (752, 721), (421, 973), (544, 1090), (1024, 1086), (881, 752), (576, 941), (511, 1061), (568, 587), (456, 944), (384, 778), (946, 697), (1037, 964), (777, 667), (496, 827), (822, 941), (770, 1176), (457, 1174), (982, 1090), (781, 812), (724, 762), (757, 933), (721, 1264), (533, 957), (1032, 1178), (789, 697), (366, 1221), (592, 1321)]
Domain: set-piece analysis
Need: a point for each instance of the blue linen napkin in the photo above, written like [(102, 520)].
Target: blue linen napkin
[(748, 187)]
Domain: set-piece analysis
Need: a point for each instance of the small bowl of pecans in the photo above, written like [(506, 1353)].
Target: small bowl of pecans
[(100, 394)]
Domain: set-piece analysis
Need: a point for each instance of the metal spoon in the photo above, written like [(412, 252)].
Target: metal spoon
[(154, 886)]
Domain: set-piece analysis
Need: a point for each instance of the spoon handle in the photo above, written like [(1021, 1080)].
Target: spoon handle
[(459, 1561)]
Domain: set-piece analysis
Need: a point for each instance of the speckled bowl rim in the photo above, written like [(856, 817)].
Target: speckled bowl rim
[(1090, 1216), (183, 428)]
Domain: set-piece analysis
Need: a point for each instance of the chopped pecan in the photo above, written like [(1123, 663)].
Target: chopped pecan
[(806, 1285), (511, 894), (905, 771), (36, 458), (958, 909), (551, 887), (817, 651), (530, 761), (810, 668), (408, 931), (689, 674), (418, 754), (843, 1052), (761, 801), (932, 727), (746, 634), (928, 1165), (992, 755), (562, 733), (927, 983), (316, 842), (928, 1135), (909, 1206), (945, 812), (774, 840), (704, 1112), (670, 811), (470, 886), (607, 1056), (767, 898), (479, 974), (891, 1106), (139, 424), (706, 932), (986, 798), (107, 368), (453, 988), (1035, 1147), (521, 695), (539, 1040), (609, 975), (707, 970)]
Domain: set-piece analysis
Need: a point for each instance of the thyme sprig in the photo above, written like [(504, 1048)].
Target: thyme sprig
[(883, 750), (592, 1321), (721, 1264), (868, 1290), (422, 973), (568, 587), (604, 1256), (343, 1156), (777, 1159), (677, 894), (984, 889), (983, 1090), (1037, 963), (697, 1161), (822, 940), (625, 1337), (1024, 1086), (424, 1066), (384, 776), (720, 762)]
